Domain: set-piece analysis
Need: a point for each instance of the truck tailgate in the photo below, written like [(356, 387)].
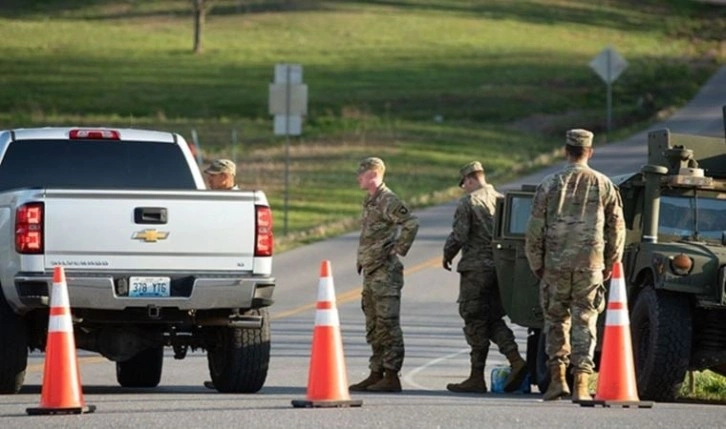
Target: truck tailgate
[(150, 230)]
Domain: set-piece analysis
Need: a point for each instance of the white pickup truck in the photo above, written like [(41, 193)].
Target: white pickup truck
[(152, 258)]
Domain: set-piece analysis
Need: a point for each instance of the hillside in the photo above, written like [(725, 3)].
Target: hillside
[(426, 84)]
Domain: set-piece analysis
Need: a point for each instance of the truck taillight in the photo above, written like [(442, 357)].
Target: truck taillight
[(263, 231), (94, 134), (29, 228)]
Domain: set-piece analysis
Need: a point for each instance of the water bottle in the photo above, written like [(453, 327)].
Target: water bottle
[(499, 377)]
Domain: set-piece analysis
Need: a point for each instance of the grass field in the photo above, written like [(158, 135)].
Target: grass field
[(426, 84)]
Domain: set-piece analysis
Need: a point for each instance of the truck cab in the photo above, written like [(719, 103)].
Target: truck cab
[(152, 259)]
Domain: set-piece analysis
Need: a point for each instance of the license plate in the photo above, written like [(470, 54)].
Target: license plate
[(149, 286)]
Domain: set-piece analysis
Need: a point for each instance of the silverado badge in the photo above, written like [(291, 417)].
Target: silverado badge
[(150, 235)]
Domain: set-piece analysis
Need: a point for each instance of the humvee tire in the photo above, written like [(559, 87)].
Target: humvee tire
[(239, 361), (142, 370), (660, 324), (13, 349)]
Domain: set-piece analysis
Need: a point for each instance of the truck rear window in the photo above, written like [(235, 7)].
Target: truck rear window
[(94, 164)]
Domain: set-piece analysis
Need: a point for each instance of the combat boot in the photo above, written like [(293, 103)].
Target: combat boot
[(582, 387), (558, 384), (389, 383), (373, 378), (474, 384), (517, 372)]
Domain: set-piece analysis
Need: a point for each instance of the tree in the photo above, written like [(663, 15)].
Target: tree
[(201, 8)]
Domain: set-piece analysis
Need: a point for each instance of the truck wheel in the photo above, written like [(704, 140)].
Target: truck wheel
[(543, 371), (142, 370), (13, 349), (239, 361), (661, 330)]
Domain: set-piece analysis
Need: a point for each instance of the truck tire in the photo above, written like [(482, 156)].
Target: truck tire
[(13, 349), (661, 328), (142, 370), (239, 361)]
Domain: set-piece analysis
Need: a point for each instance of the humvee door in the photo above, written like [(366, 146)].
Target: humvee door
[(518, 286)]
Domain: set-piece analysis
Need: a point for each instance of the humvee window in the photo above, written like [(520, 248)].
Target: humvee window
[(678, 216), (520, 207)]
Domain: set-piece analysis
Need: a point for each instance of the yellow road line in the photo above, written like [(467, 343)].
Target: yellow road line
[(354, 293), (81, 360)]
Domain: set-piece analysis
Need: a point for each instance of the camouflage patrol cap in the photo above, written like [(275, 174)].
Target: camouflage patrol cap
[(219, 166), (371, 163), (579, 137), (469, 168)]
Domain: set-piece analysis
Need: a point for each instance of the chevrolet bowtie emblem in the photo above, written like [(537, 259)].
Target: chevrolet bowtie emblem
[(150, 235)]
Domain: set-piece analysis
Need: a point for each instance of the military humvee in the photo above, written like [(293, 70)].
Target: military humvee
[(674, 264)]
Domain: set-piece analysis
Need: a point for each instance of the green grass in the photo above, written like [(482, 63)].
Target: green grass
[(698, 386), (704, 386), (426, 84), (414, 60)]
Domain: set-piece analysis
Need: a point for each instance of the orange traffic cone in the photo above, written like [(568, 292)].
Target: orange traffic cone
[(616, 383), (61, 392), (327, 378)]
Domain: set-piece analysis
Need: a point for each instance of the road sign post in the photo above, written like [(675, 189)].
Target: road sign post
[(608, 64), (288, 103)]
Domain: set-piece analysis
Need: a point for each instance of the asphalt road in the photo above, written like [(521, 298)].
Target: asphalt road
[(436, 353)]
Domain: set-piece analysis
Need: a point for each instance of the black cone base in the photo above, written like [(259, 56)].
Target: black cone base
[(327, 404), (608, 404), (74, 410)]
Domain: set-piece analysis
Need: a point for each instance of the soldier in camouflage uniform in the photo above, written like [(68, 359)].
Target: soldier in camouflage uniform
[(575, 235), (387, 230), (479, 302)]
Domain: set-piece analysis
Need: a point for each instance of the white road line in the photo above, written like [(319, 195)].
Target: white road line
[(409, 377)]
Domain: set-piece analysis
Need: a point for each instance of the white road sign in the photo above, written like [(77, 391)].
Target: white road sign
[(608, 64), (288, 99)]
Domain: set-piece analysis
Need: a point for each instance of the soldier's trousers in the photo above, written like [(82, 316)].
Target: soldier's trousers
[(571, 302), (381, 303), (480, 305)]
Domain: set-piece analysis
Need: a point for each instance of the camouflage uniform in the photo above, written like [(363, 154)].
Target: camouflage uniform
[(219, 166), (479, 302), (384, 214), (576, 231)]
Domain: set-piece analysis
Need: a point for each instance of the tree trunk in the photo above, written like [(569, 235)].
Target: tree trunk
[(201, 7)]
